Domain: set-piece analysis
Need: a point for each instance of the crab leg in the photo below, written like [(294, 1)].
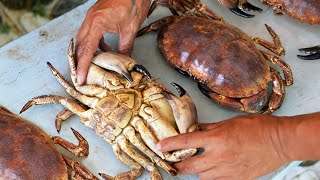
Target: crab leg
[(89, 101), (119, 63), (251, 104), (276, 47), (314, 53), (136, 171), (288, 77), (157, 123), (172, 4), (278, 93), (130, 134), (79, 150), (146, 135), (96, 76), (185, 7), (78, 169), (62, 116), (157, 25), (146, 163), (67, 103), (201, 10)]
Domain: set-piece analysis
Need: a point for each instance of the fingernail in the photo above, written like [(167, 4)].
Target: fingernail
[(80, 80), (158, 146)]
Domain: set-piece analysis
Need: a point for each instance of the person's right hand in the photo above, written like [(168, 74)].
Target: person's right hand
[(123, 17), (244, 147)]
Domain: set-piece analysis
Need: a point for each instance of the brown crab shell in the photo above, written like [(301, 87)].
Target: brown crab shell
[(217, 54), (26, 152), (307, 11)]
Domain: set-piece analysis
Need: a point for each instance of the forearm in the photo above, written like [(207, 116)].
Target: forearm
[(299, 136)]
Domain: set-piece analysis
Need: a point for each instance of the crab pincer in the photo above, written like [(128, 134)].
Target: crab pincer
[(119, 63), (313, 53)]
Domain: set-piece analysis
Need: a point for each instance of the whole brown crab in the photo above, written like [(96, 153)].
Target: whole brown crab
[(224, 59), (139, 113), (305, 11), (27, 152)]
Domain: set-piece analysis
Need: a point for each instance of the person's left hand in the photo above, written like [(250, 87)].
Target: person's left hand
[(123, 17), (243, 147)]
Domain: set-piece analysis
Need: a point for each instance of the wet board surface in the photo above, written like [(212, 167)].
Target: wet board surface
[(24, 74)]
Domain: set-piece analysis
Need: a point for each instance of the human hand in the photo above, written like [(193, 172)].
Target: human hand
[(244, 147), (123, 17)]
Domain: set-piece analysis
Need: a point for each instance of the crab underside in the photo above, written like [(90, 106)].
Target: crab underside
[(126, 109)]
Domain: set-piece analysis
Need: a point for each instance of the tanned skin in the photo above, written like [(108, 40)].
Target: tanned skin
[(123, 17), (244, 147)]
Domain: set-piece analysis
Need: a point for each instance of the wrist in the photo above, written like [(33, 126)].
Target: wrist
[(299, 137)]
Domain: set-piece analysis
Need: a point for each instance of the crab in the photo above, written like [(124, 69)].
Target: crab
[(135, 110), (225, 61), (27, 152), (305, 11)]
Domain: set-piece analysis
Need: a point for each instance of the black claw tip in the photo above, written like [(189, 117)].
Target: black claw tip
[(315, 56), (204, 89), (180, 89), (239, 12), (310, 50), (183, 72), (141, 69), (249, 7)]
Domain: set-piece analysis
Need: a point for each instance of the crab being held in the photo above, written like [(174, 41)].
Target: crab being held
[(224, 59), (27, 152), (305, 11), (139, 113)]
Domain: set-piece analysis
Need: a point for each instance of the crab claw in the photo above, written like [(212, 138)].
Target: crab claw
[(314, 53), (249, 7), (204, 89), (241, 13), (119, 63), (184, 110)]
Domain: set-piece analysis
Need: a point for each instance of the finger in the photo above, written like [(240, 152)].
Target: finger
[(126, 41), (209, 126), (195, 164), (84, 53), (183, 141), (103, 46), (83, 31)]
